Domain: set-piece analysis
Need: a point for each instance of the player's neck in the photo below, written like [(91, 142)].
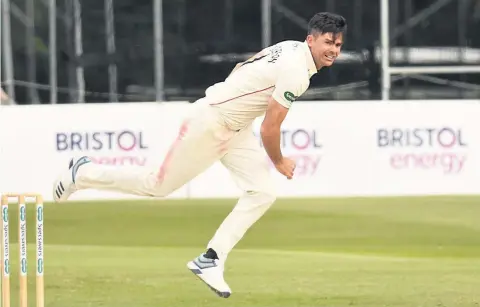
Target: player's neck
[(318, 65)]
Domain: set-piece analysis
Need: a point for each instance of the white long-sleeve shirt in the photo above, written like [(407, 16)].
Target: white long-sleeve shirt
[(282, 71)]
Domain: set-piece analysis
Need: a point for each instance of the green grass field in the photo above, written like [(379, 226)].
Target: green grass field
[(404, 252)]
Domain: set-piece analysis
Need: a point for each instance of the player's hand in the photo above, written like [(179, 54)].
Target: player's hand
[(286, 167)]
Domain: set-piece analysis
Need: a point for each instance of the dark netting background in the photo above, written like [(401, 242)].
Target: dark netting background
[(204, 39)]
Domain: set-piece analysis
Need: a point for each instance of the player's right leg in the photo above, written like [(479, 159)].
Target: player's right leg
[(196, 148)]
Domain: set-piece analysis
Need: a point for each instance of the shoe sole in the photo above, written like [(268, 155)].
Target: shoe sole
[(197, 271)]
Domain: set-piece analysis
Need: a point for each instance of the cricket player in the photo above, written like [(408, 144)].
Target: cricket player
[(220, 129)]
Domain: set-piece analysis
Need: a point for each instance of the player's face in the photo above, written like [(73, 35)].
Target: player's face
[(325, 48)]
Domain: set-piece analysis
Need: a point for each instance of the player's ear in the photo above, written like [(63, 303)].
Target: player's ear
[(311, 38)]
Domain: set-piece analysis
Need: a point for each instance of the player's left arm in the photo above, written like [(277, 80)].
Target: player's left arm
[(270, 129), (291, 84), (235, 68)]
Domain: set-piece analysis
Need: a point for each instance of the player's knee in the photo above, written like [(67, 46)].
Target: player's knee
[(255, 202), (268, 197), (159, 191), (261, 198), (155, 188)]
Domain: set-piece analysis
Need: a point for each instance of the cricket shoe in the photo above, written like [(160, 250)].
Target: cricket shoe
[(207, 268), (64, 186)]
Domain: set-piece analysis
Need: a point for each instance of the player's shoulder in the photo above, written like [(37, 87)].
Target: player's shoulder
[(287, 47), (291, 44), (289, 52)]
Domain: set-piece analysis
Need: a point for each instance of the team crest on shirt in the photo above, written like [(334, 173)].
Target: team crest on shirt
[(290, 96)]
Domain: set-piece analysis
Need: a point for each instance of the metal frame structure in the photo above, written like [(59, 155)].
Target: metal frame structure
[(388, 70), (73, 23), (6, 51)]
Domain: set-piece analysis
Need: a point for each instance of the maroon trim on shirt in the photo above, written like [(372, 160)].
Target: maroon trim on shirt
[(217, 103)]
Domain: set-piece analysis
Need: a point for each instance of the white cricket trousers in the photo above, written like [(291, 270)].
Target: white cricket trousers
[(202, 140)]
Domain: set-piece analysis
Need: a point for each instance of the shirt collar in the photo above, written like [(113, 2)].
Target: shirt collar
[(312, 69)]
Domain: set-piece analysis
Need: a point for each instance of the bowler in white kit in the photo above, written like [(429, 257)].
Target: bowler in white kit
[(220, 129)]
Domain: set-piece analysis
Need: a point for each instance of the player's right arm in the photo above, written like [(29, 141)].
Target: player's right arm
[(258, 56)]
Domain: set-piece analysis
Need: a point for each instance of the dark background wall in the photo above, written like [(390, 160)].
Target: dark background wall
[(194, 29)]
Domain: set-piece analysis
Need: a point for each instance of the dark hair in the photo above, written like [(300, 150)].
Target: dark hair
[(327, 23)]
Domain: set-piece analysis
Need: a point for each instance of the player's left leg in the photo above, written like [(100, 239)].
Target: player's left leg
[(248, 165)]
